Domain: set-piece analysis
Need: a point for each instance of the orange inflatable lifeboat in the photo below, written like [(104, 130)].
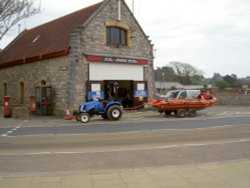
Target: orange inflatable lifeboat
[(183, 102)]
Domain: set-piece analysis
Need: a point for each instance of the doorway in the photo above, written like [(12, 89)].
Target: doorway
[(44, 100), (119, 90), (130, 93)]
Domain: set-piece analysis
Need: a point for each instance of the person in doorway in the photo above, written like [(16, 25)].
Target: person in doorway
[(126, 101)]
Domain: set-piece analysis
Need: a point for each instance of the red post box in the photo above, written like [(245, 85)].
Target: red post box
[(32, 104), (6, 106)]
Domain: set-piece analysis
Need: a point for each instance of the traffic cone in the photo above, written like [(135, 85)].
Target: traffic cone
[(68, 115)]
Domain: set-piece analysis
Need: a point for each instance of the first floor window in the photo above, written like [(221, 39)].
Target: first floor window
[(116, 36)]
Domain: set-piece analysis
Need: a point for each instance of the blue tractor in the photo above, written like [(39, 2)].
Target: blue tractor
[(111, 110)]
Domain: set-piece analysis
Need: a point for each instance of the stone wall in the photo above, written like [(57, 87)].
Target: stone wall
[(233, 100), (53, 71), (68, 74), (92, 39)]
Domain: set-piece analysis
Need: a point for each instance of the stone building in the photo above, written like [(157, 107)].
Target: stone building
[(99, 51)]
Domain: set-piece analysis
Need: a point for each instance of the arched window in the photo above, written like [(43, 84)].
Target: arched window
[(116, 36), (5, 89), (21, 92), (43, 83)]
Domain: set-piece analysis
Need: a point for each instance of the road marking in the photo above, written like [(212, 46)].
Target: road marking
[(129, 132), (40, 153), (223, 113), (162, 147), (135, 149), (14, 129), (195, 144)]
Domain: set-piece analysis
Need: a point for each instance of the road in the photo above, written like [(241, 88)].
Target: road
[(159, 122), (124, 145)]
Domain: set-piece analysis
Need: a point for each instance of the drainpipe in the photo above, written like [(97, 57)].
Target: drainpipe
[(119, 10), (133, 6)]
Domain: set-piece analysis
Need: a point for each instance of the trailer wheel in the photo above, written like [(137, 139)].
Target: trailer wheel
[(84, 117), (181, 113), (160, 111), (191, 112), (167, 112), (114, 112)]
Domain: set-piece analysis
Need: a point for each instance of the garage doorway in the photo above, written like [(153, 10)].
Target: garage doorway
[(130, 93), (119, 90)]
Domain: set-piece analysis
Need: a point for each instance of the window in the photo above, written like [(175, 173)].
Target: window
[(21, 92), (183, 95), (116, 36), (5, 89), (43, 83)]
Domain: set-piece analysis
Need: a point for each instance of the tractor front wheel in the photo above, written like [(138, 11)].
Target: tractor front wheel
[(114, 112), (84, 117)]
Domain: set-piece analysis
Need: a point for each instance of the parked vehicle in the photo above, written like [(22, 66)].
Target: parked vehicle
[(111, 110), (183, 102), (178, 94)]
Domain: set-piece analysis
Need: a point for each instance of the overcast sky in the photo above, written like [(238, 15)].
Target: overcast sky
[(212, 35)]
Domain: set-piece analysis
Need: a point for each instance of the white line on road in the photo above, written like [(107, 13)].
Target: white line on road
[(14, 129), (39, 153), (223, 113), (135, 149)]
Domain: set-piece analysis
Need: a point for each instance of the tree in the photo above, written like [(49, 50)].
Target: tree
[(222, 84), (234, 76), (165, 73), (216, 77), (13, 11), (231, 80), (186, 73)]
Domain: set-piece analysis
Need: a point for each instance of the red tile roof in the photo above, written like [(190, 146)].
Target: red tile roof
[(48, 40)]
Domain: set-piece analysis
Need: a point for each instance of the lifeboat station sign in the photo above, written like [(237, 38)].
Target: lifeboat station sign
[(109, 59)]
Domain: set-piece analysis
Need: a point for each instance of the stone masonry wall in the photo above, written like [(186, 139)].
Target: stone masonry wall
[(53, 71), (68, 74), (233, 100), (92, 40)]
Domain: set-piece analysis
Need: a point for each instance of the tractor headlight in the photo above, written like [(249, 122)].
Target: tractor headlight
[(82, 108)]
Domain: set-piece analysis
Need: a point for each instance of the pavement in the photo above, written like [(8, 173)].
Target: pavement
[(227, 174), (230, 174)]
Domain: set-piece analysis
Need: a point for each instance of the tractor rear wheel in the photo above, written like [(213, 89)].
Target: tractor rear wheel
[(84, 117), (114, 112)]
